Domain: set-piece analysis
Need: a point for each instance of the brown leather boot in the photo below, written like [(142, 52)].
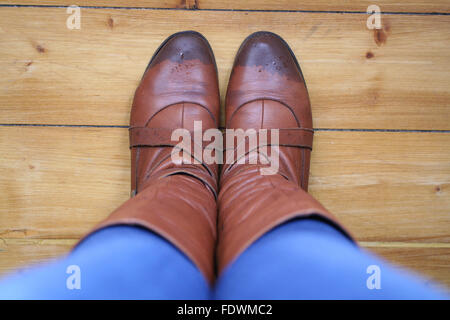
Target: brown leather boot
[(176, 201), (266, 90)]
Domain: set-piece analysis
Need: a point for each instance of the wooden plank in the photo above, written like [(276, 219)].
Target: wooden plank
[(395, 78), (432, 263), (58, 182), (327, 5), (22, 254), (385, 185), (314, 5), (69, 182), (170, 4)]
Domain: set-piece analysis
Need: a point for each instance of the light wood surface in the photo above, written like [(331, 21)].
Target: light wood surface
[(58, 182), (329, 5), (389, 187), (406, 6), (53, 75)]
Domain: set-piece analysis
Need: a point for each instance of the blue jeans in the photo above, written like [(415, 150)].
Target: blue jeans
[(301, 259)]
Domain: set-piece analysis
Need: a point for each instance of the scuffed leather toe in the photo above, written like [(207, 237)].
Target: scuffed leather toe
[(270, 53)]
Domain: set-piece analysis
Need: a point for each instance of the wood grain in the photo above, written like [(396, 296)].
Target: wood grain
[(58, 181), (396, 78), (314, 5), (383, 184), (429, 262), (391, 189), (327, 5), (169, 4), (17, 255)]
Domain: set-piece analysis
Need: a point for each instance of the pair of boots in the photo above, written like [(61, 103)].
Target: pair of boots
[(213, 215)]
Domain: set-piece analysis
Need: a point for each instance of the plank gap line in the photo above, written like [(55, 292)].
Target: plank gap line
[(224, 10)]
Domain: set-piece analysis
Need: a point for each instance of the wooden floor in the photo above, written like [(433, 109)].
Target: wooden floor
[(380, 98)]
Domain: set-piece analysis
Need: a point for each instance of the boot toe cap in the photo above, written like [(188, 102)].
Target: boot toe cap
[(184, 46), (268, 52)]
